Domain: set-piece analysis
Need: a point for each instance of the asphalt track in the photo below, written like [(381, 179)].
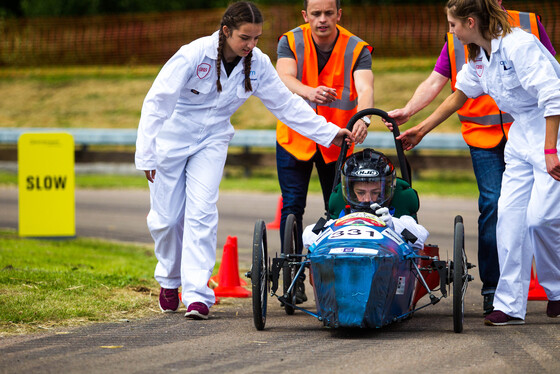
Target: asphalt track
[(228, 341)]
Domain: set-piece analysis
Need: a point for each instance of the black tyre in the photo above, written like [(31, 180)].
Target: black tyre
[(259, 275), (459, 275), (289, 271)]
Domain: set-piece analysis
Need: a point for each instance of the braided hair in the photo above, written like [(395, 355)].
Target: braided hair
[(236, 15)]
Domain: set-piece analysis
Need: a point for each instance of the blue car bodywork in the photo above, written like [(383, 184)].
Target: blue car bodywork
[(362, 273)]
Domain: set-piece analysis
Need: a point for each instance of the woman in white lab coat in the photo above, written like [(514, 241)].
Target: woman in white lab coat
[(182, 143), (514, 68)]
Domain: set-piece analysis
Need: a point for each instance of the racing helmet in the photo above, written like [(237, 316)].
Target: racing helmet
[(373, 168)]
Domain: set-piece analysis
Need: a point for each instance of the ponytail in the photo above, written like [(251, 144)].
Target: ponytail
[(491, 19)]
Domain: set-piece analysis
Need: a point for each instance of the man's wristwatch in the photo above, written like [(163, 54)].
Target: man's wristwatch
[(366, 120)]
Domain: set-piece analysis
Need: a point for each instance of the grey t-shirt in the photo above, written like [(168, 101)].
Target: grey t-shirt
[(363, 62)]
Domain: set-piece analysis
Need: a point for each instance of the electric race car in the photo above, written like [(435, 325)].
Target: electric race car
[(363, 273)]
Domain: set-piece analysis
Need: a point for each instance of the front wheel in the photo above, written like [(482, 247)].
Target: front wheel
[(259, 275), (459, 275), (289, 271)]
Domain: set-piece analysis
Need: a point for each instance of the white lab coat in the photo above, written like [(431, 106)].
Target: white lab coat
[(524, 80), (183, 134)]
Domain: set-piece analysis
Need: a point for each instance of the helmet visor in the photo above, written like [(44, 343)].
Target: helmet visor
[(362, 192)]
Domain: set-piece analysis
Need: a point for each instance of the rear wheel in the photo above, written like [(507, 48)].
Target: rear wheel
[(289, 271), (259, 275), (459, 275)]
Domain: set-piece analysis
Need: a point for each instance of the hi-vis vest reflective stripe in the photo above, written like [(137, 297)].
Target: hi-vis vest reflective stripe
[(337, 74), (481, 118)]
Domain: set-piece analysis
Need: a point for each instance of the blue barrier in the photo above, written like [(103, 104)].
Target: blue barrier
[(242, 138)]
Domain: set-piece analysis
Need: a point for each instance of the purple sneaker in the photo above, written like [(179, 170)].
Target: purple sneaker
[(499, 318), (197, 310), (169, 300), (553, 308)]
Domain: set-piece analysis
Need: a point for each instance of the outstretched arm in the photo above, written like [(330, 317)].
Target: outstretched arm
[(339, 138), (363, 79), (411, 137), (424, 95)]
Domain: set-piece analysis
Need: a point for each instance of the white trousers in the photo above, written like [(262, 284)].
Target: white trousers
[(183, 218), (528, 224)]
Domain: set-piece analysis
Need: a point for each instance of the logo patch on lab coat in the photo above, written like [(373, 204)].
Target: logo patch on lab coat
[(202, 70), (479, 69), (507, 65)]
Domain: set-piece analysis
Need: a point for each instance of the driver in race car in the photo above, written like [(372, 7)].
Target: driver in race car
[(368, 185)]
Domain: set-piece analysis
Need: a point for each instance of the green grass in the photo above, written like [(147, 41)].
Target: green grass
[(440, 183), (112, 96), (459, 183), (89, 180), (63, 74), (111, 181), (54, 283), (45, 283)]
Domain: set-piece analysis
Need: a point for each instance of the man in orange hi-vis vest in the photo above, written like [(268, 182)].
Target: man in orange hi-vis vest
[(331, 69), (485, 128)]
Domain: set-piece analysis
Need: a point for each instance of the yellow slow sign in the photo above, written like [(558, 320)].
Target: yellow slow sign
[(46, 185)]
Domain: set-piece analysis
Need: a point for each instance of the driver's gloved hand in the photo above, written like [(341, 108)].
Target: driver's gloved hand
[(383, 213)]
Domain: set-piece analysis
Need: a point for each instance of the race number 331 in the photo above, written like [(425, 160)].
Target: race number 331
[(356, 232), (46, 185)]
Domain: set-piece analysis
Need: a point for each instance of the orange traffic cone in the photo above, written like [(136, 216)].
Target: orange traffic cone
[(215, 280), (536, 291), (275, 225), (229, 284)]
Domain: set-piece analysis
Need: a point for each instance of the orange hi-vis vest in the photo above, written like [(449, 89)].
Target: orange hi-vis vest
[(483, 124), (337, 74)]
